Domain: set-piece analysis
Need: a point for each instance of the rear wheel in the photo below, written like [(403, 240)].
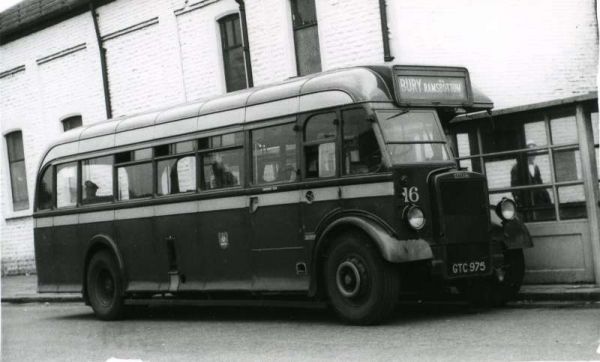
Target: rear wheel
[(104, 286), (362, 287)]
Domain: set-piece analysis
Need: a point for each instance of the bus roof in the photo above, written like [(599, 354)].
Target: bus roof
[(321, 90)]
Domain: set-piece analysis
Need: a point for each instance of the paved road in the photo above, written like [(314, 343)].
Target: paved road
[(69, 332)]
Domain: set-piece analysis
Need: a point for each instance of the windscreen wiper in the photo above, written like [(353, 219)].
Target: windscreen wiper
[(398, 114)]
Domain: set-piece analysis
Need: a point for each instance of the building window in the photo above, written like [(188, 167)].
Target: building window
[(306, 37), (233, 53), (18, 177), (71, 123)]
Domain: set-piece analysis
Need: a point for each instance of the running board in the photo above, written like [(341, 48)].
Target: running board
[(226, 303)]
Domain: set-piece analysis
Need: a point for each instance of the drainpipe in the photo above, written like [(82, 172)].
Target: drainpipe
[(103, 68), (246, 43), (385, 32)]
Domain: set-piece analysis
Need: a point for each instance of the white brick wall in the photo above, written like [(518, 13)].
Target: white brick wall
[(518, 53)]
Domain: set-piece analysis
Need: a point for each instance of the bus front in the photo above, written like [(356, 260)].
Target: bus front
[(435, 201)]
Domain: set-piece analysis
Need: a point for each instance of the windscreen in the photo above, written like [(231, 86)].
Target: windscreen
[(412, 136)]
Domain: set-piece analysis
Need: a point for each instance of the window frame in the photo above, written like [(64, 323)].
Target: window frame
[(80, 180), (134, 162), (289, 121), (17, 205), (294, 12), (225, 49), (67, 120), (200, 184), (303, 120), (174, 155)]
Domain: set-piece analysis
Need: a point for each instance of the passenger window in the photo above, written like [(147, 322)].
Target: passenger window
[(222, 168), (319, 145), (177, 175), (361, 150), (134, 179), (274, 154), (96, 180), (45, 190), (66, 184)]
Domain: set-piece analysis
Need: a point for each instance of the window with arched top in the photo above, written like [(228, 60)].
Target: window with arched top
[(18, 175), (71, 123)]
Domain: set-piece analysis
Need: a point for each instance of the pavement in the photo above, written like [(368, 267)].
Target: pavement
[(23, 289)]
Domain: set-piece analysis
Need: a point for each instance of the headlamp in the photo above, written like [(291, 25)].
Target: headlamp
[(414, 217), (506, 209)]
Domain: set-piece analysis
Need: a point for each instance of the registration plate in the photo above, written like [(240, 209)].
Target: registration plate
[(469, 267)]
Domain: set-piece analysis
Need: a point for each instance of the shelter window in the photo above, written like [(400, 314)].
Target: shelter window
[(71, 123), (306, 36), (221, 158), (361, 150), (134, 174), (18, 175), (66, 184), (46, 189), (97, 180), (233, 53), (274, 154)]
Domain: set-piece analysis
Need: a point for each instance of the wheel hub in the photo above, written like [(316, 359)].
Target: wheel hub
[(348, 279)]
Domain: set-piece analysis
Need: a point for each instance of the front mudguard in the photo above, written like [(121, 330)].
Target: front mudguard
[(511, 234)]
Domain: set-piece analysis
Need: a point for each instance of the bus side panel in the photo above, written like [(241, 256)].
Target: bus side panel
[(135, 239), (225, 250), (44, 260), (178, 248), (382, 206), (67, 251)]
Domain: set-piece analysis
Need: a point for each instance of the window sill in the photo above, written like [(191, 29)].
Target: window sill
[(12, 215)]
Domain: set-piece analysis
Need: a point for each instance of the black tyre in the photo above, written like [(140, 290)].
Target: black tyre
[(362, 287), (104, 286), (514, 271)]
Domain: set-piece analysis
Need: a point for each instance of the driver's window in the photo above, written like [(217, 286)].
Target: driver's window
[(361, 150), (320, 133)]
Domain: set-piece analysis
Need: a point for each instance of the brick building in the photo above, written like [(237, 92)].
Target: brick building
[(71, 62)]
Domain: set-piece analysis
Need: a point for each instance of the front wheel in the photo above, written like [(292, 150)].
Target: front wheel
[(104, 286), (362, 287)]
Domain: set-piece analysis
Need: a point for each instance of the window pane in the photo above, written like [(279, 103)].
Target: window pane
[(564, 130), (274, 154), (14, 142), (418, 152), (71, 123), (361, 151), (176, 175), (308, 54), (222, 169), (134, 181), (18, 181), (235, 69), (66, 185), (572, 202), (97, 180), (45, 190), (320, 127), (501, 172), (320, 160), (463, 144), (535, 134), (142, 154), (532, 169), (184, 147), (567, 165), (409, 127), (536, 204), (304, 12), (466, 164)]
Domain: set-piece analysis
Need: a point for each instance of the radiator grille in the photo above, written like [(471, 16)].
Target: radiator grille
[(464, 210)]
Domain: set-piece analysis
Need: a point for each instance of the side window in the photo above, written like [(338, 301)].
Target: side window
[(274, 154), (177, 172), (319, 145), (66, 184), (134, 174), (361, 151), (221, 159), (96, 180), (45, 189)]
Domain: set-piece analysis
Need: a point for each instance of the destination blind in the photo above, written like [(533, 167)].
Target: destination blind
[(434, 89)]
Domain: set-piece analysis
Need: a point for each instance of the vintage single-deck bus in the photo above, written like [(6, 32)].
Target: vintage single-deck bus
[(338, 187)]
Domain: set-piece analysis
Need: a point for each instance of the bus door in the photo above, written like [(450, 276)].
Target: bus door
[(320, 168), (278, 251)]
